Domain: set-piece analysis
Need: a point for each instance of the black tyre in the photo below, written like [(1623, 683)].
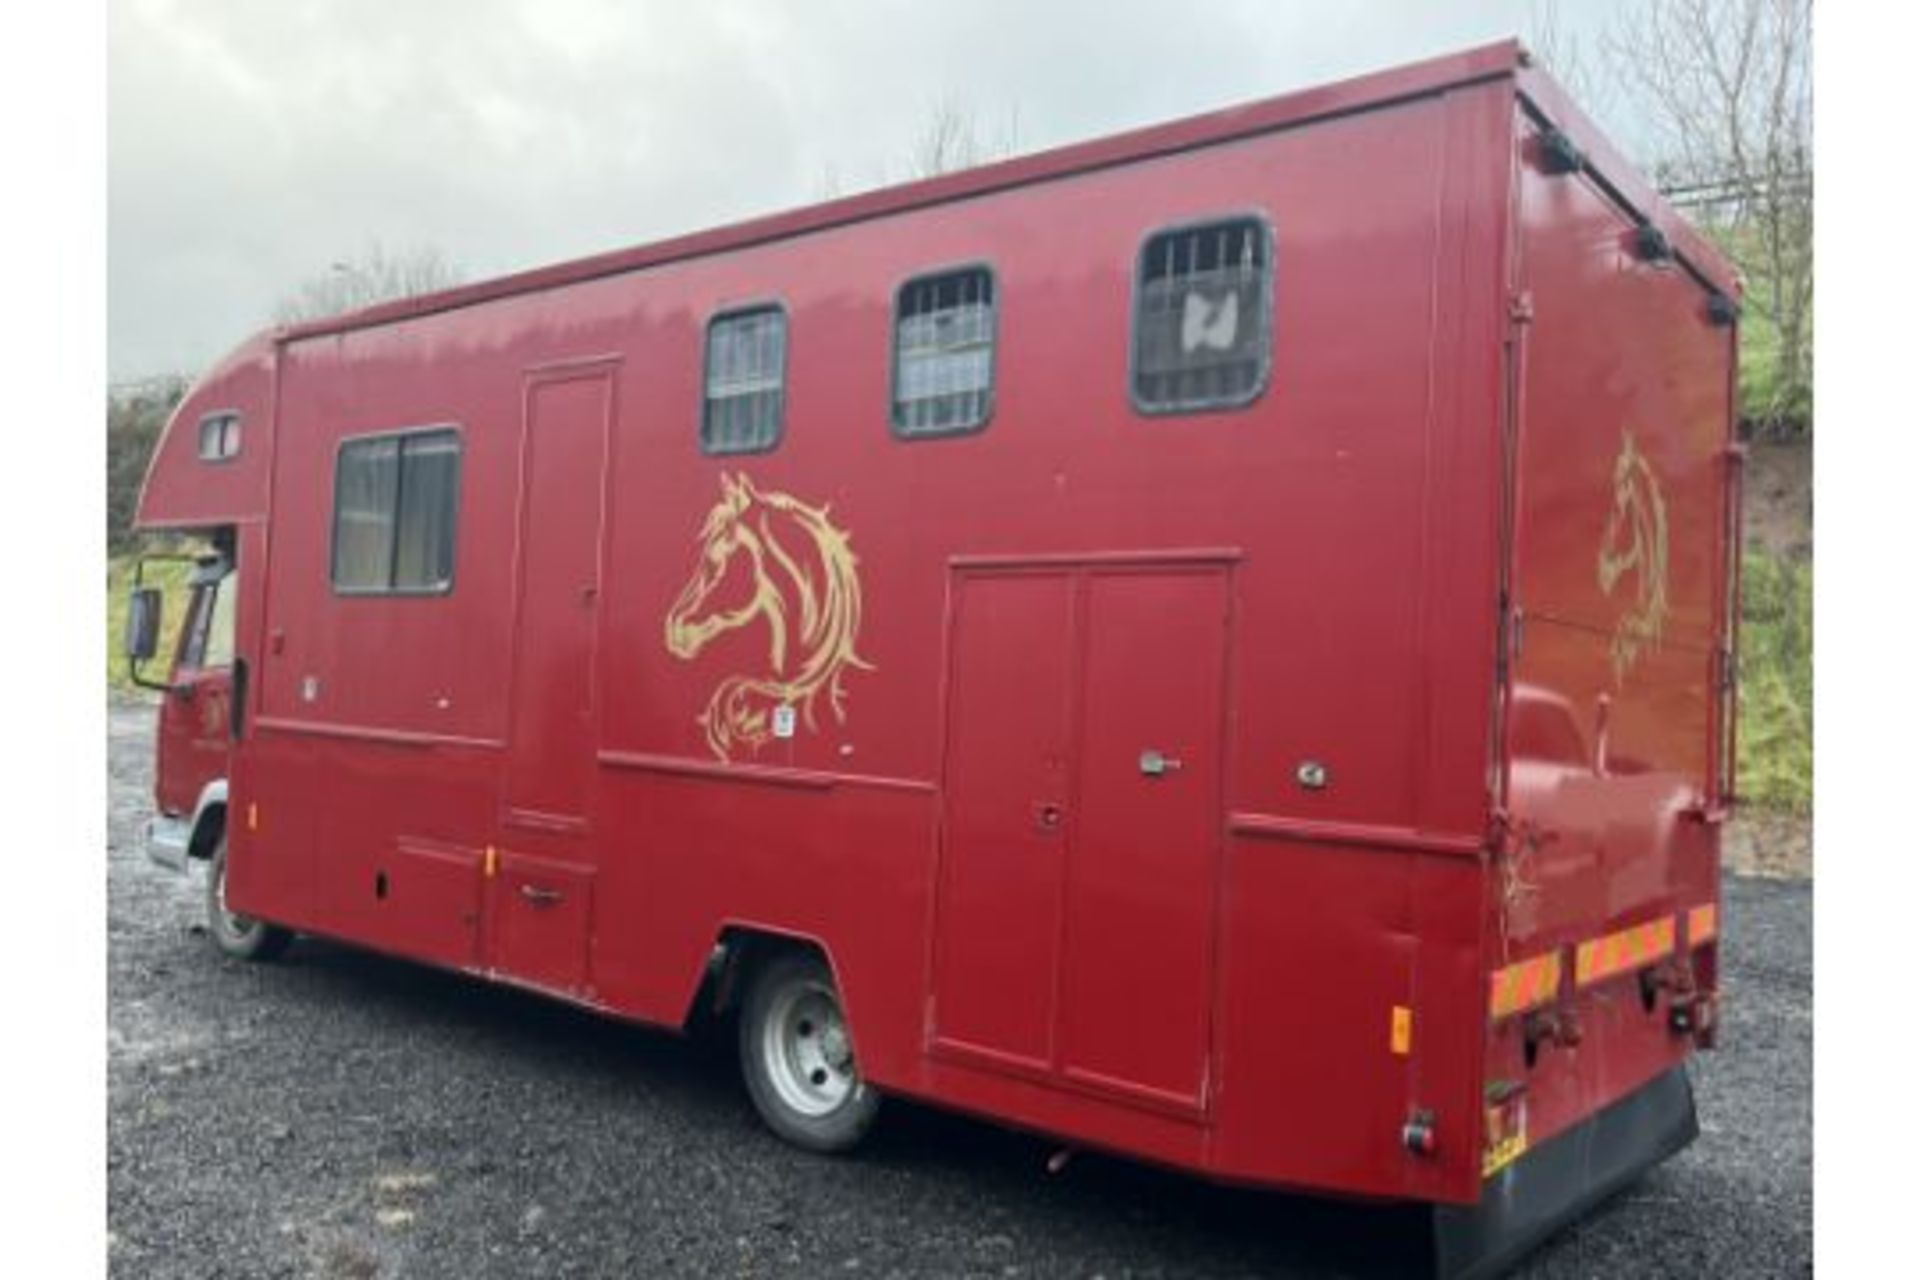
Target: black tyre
[(241, 937), (796, 1053)]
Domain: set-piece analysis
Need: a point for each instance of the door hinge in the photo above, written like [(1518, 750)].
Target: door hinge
[(1520, 307)]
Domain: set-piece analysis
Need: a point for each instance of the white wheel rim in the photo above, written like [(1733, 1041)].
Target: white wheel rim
[(805, 1050)]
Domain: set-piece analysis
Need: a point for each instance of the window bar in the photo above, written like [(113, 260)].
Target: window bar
[(1221, 375)]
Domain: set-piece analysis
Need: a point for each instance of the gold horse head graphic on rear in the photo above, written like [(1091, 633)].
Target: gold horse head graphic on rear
[(1635, 541), (794, 571)]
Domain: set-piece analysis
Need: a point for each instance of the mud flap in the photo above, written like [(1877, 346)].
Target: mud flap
[(1563, 1178)]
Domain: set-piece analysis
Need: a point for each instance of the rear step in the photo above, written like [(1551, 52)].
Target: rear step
[(1563, 1178)]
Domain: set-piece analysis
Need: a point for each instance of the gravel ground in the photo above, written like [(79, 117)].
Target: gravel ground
[(341, 1115)]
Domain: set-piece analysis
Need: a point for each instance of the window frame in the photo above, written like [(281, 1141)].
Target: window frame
[(1263, 222), (894, 425), (211, 577), (190, 655), (735, 311), (400, 434), (233, 419)]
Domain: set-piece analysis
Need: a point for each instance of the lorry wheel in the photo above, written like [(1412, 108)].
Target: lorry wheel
[(241, 937), (797, 1057)]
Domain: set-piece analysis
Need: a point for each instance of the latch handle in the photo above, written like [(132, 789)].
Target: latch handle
[(1155, 764)]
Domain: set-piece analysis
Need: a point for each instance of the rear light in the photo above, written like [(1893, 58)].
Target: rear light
[(1506, 1125), (1417, 1134)]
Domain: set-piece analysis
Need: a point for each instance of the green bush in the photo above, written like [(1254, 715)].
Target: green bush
[(134, 421), (1776, 682)]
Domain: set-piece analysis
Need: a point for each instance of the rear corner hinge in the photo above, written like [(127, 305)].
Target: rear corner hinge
[(1520, 307), (1559, 153)]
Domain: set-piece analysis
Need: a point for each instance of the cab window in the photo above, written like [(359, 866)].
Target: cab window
[(206, 635), (219, 645)]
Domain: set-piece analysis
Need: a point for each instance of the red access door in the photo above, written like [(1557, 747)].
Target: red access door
[(1082, 835), (552, 731)]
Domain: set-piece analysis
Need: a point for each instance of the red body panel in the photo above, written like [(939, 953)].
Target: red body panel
[(1149, 780)]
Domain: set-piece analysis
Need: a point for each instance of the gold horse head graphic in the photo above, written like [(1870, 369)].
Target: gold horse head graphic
[(796, 572), (1636, 540)]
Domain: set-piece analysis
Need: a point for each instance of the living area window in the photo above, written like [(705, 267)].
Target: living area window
[(395, 498)]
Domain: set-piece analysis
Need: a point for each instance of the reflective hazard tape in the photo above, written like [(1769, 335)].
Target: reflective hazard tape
[(1703, 925), (1620, 952), (1525, 985)]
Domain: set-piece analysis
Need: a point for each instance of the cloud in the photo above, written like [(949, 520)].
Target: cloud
[(250, 145)]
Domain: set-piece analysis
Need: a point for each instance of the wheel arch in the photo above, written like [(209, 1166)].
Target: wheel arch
[(209, 820), (739, 948)]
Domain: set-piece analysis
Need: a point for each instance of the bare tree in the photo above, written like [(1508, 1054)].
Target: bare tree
[(376, 275), (952, 139), (1572, 60), (1728, 86)]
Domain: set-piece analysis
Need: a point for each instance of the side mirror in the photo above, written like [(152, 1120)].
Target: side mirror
[(143, 624)]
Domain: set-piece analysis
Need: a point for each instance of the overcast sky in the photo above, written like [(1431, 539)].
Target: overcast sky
[(252, 144)]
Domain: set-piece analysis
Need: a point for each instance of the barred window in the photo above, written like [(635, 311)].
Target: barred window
[(1202, 321), (394, 500), (745, 381), (943, 331)]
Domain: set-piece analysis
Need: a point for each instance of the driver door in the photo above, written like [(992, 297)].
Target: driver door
[(196, 716)]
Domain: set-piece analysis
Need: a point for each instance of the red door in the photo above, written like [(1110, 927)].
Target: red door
[(1136, 983), (1082, 831), (195, 740), (1008, 733), (540, 902), (552, 731)]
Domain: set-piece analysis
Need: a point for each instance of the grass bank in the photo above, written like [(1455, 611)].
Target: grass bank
[(1776, 682)]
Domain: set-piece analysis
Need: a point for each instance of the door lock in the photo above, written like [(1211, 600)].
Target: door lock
[(1047, 817), (1155, 764)]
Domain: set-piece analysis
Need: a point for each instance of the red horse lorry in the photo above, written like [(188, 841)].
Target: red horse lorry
[(1213, 644)]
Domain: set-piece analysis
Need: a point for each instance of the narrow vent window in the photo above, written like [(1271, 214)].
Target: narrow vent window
[(1202, 322), (745, 381), (943, 331), (219, 436)]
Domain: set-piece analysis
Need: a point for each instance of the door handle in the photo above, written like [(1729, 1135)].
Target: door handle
[(1155, 764), (540, 897)]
